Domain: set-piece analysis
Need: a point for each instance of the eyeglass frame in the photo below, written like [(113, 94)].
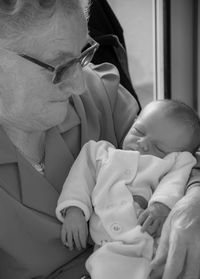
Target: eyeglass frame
[(58, 70)]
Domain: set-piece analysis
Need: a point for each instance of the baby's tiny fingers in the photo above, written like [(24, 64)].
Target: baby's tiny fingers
[(83, 234), (77, 240), (70, 241), (147, 223), (63, 235), (152, 229), (142, 217)]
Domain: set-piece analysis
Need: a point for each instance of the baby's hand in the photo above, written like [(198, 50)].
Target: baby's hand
[(153, 218), (74, 230)]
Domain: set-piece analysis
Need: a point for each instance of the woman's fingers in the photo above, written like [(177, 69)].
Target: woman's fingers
[(157, 273), (158, 263), (175, 259), (179, 245), (192, 263), (171, 253)]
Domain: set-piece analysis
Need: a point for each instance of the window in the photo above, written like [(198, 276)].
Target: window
[(136, 18)]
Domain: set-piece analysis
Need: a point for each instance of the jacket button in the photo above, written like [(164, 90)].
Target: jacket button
[(115, 227)]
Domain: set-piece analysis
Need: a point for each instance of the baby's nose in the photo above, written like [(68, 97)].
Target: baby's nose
[(143, 144)]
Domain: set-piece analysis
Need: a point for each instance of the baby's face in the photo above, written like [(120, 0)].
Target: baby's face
[(153, 133)]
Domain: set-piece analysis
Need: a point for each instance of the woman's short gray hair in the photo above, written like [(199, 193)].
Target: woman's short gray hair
[(17, 16)]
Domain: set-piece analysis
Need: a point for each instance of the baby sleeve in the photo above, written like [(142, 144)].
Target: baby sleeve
[(172, 186), (79, 184)]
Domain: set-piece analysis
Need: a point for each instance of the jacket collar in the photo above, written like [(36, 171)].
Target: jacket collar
[(41, 192), (34, 190)]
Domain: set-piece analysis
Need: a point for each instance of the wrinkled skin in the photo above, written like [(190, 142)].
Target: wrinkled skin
[(178, 254)]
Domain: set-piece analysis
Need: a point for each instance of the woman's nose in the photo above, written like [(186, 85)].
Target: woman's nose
[(143, 143), (72, 79), (77, 81)]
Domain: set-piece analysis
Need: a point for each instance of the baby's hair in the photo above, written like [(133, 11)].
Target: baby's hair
[(185, 115)]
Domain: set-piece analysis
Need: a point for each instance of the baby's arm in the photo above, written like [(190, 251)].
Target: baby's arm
[(153, 218), (172, 186), (170, 189), (81, 180), (74, 229), (74, 206)]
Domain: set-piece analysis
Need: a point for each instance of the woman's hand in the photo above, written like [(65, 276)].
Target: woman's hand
[(178, 253)]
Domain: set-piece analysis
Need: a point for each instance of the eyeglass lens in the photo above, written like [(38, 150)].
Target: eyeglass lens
[(84, 59)]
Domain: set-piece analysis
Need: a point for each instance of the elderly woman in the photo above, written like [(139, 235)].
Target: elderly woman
[(49, 107), (51, 102)]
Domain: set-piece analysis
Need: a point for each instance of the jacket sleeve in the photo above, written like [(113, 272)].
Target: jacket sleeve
[(124, 106), (172, 186), (81, 180), (194, 180), (117, 107)]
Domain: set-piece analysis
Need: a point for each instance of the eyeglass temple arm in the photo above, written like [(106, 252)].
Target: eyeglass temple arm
[(40, 63)]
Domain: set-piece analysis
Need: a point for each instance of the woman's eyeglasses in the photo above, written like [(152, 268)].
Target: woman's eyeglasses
[(84, 59)]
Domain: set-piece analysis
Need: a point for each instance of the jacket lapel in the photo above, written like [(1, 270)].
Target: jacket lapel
[(36, 191), (8, 152), (9, 179), (42, 192), (58, 159)]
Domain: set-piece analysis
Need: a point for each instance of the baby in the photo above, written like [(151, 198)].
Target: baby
[(127, 194)]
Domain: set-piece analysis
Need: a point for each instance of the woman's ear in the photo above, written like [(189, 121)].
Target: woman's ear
[(86, 7)]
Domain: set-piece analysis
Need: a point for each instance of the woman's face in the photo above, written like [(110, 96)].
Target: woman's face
[(28, 98)]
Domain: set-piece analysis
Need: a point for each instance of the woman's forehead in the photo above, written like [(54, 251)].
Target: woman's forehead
[(56, 38)]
